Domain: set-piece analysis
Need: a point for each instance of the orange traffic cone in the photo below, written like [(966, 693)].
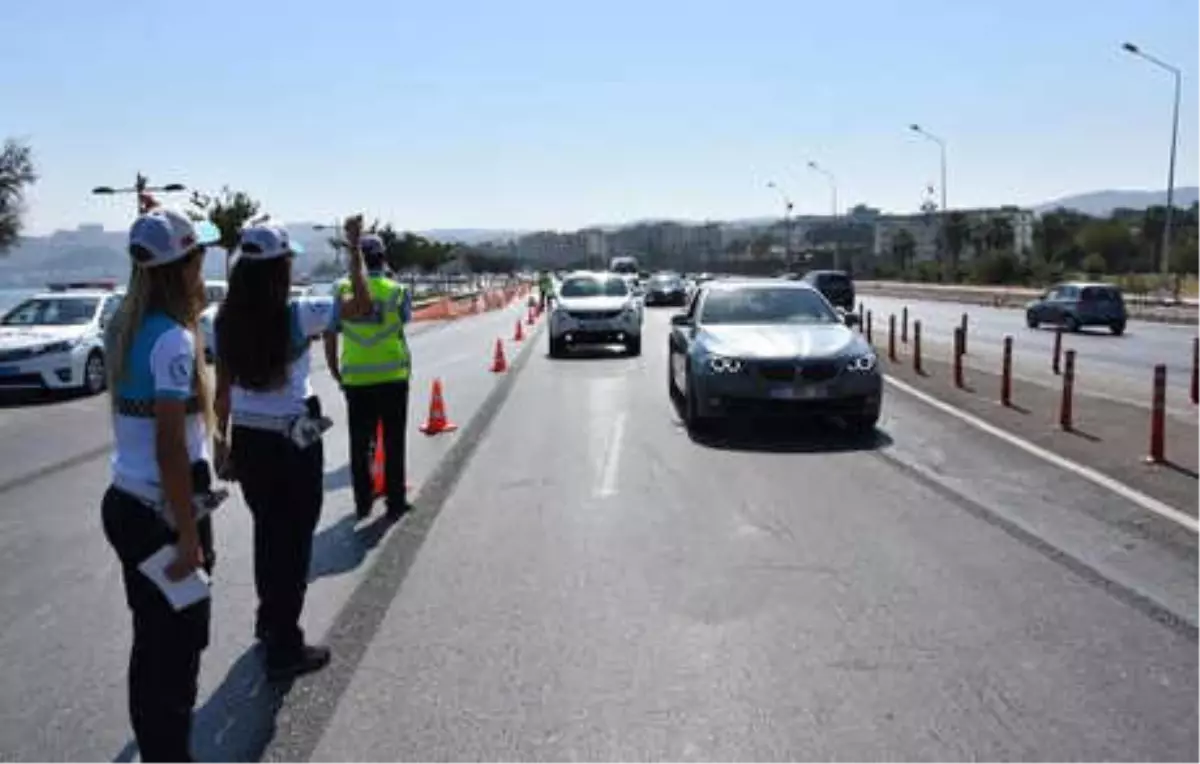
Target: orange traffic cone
[(437, 421), (378, 470), (519, 334), (378, 475), (532, 314), (499, 363)]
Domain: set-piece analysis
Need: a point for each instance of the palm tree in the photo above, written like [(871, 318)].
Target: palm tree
[(904, 249), (957, 232)]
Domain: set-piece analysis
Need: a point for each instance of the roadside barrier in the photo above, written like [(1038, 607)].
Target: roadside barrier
[(531, 317), (917, 347), (1055, 361), (959, 341), (519, 333), (962, 344), (904, 325), (870, 334), (1158, 416), (892, 337), (1006, 373), (1195, 391), (1066, 410)]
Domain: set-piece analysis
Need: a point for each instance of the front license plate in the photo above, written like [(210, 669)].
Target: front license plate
[(798, 393)]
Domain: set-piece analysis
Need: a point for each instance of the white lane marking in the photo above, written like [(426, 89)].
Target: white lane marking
[(1147, 503), (612, 459)]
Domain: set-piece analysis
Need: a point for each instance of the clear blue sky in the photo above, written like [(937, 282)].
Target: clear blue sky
[(561, 113)]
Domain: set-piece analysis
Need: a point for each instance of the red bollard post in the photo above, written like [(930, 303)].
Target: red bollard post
[(892, 337), (1195, 370), (963, 342), (958, 366), (917, 347), (1067, 410), (1006, 374), (1057, 351), (870, 333), (1158, 417), (904, 324)]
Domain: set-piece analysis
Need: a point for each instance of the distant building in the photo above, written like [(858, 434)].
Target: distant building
[(925, 229)]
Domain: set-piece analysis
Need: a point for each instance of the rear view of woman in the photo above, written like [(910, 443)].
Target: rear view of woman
[(264, 391), (160, 425)]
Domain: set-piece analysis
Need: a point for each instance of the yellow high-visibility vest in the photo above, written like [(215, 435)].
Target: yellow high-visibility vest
[(374, 349)]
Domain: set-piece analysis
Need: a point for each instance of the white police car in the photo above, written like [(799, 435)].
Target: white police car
[(55, 340)]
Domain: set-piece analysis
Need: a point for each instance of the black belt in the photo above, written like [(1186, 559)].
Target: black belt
[(144, 408)]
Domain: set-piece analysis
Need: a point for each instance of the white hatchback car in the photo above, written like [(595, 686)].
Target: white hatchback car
[(595, 309), (55, 340)]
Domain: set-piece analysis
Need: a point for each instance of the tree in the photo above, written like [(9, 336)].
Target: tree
[(957, 233), (904, 249), (16, 172), (1094, 265), (229, 211)]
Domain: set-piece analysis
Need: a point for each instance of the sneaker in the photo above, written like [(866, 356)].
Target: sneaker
[(308, 659)]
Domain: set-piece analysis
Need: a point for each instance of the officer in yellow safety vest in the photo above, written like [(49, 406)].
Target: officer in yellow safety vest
[(373, 372)]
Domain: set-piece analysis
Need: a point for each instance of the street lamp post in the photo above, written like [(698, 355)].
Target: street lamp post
[(787, 222), (833, 188), (1165, 242), (140, 187), (943, 243)]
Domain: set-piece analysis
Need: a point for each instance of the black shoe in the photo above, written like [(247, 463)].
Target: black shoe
[(306, 660), (396, 511)]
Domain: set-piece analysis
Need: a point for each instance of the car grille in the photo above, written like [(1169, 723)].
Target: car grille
[(817, 371), (594, 315), (797, 371), (19, 354)]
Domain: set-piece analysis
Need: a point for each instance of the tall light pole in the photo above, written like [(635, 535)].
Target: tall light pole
[(943, 243), (1165, 242), (141, 187), (833, 188), (787, 222)]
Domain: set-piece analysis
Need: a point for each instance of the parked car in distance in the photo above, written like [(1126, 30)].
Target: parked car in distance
[(837, 286), (1075, 305)]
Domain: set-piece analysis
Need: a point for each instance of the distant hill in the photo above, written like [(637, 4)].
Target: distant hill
[(1102, 203)]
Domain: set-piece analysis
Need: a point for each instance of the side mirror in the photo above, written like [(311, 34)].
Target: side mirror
[(850, 319), (681, 319)]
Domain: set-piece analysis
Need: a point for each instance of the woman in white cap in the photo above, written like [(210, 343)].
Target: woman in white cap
[(161, 417), (264, 391)]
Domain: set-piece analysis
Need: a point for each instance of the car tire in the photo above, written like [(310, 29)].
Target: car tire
[(95, 374), (558, 348), (862, 423), (673, 391), (691, 409), (1071, 324), (1118, 328), (1031, 320), (633, 346)]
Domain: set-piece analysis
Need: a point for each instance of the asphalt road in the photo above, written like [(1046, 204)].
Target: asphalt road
[(1117, 366), (65, 631), (599, 585)]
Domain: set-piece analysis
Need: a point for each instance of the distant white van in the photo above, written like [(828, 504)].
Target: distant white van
[(626, 266)]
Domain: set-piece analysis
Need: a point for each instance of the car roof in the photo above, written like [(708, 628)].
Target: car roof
[(828, 272), (746, 282), (594, 275), (1086, 284), (80, 293)]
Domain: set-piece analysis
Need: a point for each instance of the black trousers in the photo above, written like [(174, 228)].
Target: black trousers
[(164, 661), (283, 487), (367, 406)]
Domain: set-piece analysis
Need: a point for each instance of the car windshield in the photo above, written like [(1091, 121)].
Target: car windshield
[(590, 286), (758, 305), (53, 311)]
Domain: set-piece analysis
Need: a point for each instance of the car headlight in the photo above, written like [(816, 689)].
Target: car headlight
[(59, 347), (863, 363), (722, 365)]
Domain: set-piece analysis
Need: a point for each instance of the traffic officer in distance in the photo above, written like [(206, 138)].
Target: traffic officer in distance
[(161, 417), (374, 371), (264, 390)]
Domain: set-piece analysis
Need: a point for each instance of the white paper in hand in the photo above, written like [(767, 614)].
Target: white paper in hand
[(181, 594)]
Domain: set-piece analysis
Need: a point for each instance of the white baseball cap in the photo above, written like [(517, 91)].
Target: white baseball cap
[(163, 236), (264, 242)]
